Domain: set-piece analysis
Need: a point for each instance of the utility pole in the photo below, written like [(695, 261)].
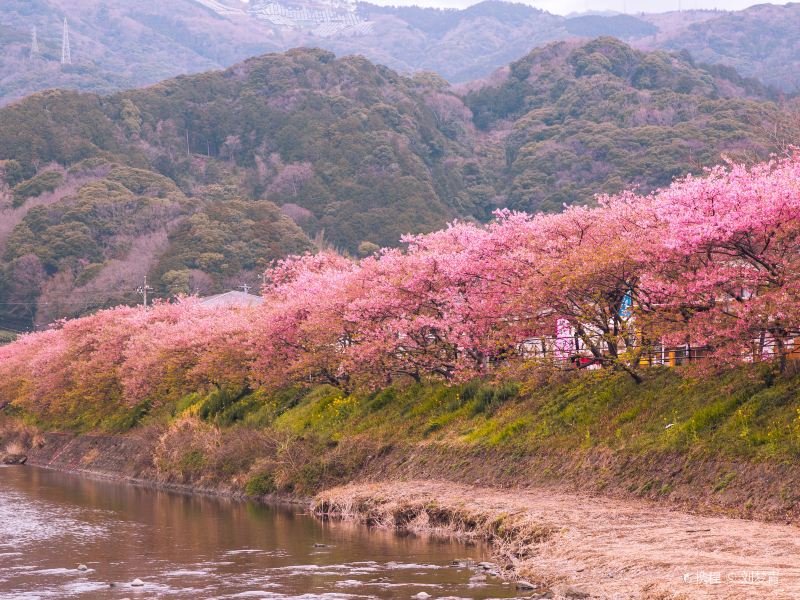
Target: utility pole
[(66, 57), (35, 51), (245, 287), (142, 291)]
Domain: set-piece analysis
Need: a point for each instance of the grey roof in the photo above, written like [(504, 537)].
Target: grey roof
[(232, 298)]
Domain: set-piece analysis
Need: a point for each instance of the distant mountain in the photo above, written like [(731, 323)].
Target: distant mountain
[(120, 44), (200, 181), (619, 26), (760, 42), (458, 44), (129, 43)]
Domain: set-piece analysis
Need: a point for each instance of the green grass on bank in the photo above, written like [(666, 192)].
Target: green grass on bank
[(749, 413), (321, 433)]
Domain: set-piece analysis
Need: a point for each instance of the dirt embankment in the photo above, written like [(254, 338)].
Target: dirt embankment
[(118, 457), (577, 546), (129, 458)]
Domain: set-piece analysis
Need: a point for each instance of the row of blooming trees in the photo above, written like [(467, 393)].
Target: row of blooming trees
[(712, 261)]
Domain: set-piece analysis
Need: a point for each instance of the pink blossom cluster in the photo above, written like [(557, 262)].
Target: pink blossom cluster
[(711, 261)]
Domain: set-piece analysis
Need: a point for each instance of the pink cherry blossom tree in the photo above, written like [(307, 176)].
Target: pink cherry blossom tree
[(301, 332), (727, 265)]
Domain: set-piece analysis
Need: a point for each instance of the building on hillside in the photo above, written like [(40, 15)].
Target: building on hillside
[(232, 298), (322, 18)]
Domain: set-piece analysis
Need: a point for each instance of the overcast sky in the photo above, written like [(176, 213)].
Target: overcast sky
[(567, 6)]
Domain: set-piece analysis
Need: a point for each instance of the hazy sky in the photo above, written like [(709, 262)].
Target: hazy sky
[(568, 6)]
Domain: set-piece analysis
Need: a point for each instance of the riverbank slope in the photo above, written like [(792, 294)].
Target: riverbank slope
[(675, 445)]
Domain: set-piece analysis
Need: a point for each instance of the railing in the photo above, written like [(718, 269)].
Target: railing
[(569, 352)]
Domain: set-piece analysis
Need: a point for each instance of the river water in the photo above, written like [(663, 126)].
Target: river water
[(184, 546)]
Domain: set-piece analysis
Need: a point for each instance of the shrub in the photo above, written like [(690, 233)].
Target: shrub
[(488, 399), (191, 464), (129, 419), (46, 182), (238, 411), (217, 401), (261, 485)]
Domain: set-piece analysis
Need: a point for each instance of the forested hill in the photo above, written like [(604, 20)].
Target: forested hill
[(344, 145), (201, 180), (183, 180), (581, 119)]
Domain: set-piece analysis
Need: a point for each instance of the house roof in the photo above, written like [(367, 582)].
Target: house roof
[(232, 298)]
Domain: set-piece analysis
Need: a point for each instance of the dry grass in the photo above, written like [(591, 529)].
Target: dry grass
[(15, 447), (16, 437), (609, 548), (442, 510)]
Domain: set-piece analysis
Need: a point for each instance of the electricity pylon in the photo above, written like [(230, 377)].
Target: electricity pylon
[(35, 51), (66, 58)]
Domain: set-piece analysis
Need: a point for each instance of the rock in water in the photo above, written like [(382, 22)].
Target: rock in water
[(137, 583), (14, 459), (422, 596), (82, 567), (573, 592), (525, 585)]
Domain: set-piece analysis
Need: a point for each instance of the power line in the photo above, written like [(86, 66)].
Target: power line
[(57, 303), (142, 290)]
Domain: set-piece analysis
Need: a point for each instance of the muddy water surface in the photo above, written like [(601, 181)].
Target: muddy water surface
[(184, 546)]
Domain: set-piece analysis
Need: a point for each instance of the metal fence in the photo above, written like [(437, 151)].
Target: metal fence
[(572, 352)]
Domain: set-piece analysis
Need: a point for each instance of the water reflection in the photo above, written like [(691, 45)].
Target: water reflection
[(184, 546)]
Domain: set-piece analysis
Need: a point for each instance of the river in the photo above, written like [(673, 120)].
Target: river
[(191, 546)]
